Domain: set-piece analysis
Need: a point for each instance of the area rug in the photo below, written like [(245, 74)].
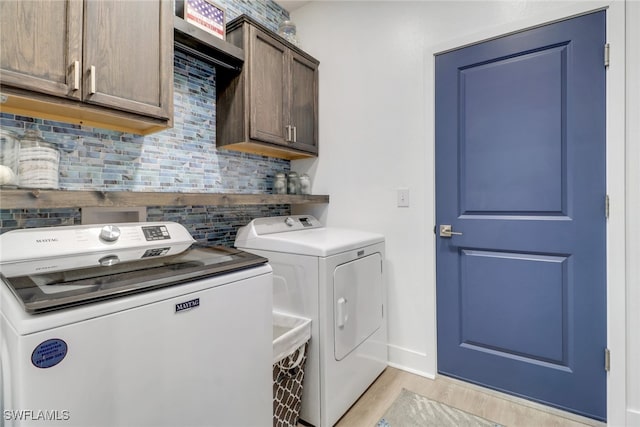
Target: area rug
[(412, 410)]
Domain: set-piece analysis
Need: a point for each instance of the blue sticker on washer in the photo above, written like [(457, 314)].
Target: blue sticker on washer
[(49, 353)]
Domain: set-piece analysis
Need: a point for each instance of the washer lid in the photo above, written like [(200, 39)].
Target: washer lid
[(55, 283), (313, 240)]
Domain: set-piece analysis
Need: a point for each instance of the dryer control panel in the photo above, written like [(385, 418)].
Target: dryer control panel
[(280, 224)]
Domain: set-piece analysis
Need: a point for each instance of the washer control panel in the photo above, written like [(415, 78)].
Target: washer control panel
[(156, 232), (35, 243)]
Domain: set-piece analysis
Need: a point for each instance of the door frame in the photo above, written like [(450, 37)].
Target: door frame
[(615, 175)]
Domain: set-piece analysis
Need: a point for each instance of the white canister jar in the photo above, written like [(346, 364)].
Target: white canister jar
[(293, 183), (8, 158), (280, 183), (38, 161), (305, 184)]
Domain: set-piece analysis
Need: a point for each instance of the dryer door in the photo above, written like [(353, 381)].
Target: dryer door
[(357, 291)]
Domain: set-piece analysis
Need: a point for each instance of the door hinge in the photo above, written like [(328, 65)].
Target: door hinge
[(607, 359), (607, 49), (606, 206)]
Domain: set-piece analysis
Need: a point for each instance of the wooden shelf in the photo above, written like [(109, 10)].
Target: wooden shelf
[(205, 46), (46, 199)]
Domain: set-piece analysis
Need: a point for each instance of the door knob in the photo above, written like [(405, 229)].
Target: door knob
[(446, 231)]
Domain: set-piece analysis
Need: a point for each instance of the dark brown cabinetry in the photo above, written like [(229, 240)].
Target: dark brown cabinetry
[(101, 63), (271, 107), (41, 59)]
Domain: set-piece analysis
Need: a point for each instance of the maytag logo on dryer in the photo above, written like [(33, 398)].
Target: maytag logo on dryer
[(187, 305)]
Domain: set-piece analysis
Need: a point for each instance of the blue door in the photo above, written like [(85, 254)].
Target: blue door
[(520, 174)]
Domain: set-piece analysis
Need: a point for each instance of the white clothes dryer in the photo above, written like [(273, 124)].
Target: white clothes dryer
[(334, 277)]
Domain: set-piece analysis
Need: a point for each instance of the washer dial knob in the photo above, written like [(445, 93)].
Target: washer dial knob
[(110, 233), (109, 260), (289, 221)]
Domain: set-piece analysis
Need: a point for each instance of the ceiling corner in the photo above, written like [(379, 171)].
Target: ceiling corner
[(291, 5)]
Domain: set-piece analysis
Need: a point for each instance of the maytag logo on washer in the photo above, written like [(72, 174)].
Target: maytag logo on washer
[(51, 240), (187, 305)]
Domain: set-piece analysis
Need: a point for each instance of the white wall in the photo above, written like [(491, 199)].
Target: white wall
[(376, 135), (633, 212)]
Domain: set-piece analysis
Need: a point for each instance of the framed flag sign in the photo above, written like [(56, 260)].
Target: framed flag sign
[(204, 14)]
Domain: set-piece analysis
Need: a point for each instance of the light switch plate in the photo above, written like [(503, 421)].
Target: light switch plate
[(403, 197)]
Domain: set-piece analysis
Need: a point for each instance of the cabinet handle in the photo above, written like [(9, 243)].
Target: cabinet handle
[(295, 134), (76, 75), (93, 79), (288, 132)]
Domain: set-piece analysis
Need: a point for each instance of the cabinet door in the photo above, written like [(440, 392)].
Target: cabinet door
[(128, 47), (304, 103), (40, 41), (268, 88)]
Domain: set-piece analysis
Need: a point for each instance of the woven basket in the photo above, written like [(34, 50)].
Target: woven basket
[(288, 376)]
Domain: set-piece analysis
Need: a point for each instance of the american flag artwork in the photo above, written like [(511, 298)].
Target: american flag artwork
[(206, 15)]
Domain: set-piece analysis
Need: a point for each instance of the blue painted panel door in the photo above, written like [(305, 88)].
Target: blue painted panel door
[(520, 172)]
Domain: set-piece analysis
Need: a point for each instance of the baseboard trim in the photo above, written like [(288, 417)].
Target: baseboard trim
[(633, 417), (411, 361), (412, 371)]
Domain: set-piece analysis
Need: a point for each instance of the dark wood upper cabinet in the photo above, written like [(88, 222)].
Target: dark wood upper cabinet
[(268, 88), (129, 45), (101, 63), (271, 106), (304, 101), (39, 44)]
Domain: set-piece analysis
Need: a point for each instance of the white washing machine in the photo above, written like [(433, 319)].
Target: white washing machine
[(132, 325), (334, 277)]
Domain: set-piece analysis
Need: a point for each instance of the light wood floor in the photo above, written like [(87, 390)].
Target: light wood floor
[(498, 407)]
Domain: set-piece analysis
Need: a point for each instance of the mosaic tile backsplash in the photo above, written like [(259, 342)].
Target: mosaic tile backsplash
[(181, 159)]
